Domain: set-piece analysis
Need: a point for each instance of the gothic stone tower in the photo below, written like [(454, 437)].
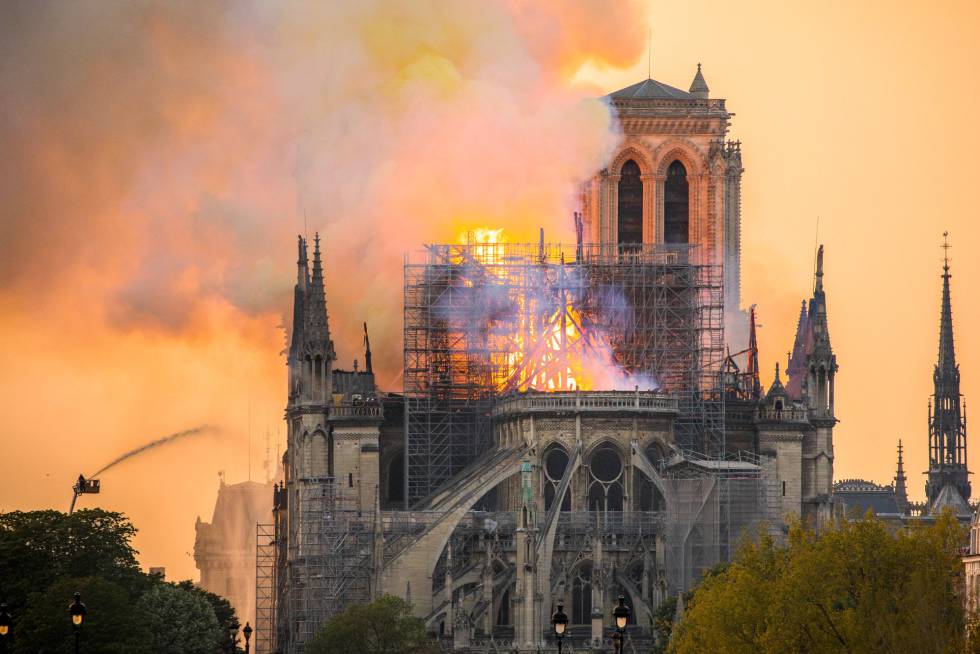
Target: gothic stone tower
[(325, 507), (811, 370), (948, 483), (311, 357), (672, 180)]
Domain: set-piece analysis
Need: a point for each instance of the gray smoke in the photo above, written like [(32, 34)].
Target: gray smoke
[(203, 429)]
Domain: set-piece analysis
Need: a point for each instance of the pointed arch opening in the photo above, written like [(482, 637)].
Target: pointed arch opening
[(676, 204), (630, 218)]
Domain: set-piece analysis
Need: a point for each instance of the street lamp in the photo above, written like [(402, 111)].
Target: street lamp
[(247, 632), (559, 621), (232, 634), (77, 612), (622, 615), (4, 622)]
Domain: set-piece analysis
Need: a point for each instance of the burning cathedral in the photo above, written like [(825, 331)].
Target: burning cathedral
[(578, 422)]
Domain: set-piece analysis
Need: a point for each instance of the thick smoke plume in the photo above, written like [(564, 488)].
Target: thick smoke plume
[(160, 157), (203, 429)]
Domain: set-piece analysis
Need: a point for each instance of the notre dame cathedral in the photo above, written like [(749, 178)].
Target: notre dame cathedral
[(512, 474)]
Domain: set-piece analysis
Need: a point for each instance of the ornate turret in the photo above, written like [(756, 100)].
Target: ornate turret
[(699, 88), (311, 351), (901, 493), (947, 422), (795, 370), (812, 365)]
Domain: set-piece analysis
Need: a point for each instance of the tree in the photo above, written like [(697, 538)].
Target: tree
[(109, 627), (223, 610), (179, 621), (385, 626), (856, 587), (39, 547), (45, 556)]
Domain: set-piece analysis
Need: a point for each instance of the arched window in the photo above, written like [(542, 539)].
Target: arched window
[(582, 595), (650, 497), (630, 219), (396, 479), (676, 217), (503, 613), (319, 456), (555, 461), (606, 483)]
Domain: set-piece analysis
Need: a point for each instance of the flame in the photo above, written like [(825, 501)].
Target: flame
[(549, 345)]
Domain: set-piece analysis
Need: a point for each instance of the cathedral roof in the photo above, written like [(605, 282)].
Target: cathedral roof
[(950, 497), (650, 89), (860, 495)]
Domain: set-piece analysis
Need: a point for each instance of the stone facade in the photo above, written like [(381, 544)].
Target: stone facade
[(580, 496), (224, 549), (662, 127)]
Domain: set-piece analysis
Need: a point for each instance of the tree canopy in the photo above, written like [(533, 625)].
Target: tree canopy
[(859, 587), (385, 626), (46, 556), (179, 621)]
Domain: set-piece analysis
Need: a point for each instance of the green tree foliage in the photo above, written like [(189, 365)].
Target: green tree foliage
[(39, 547), (223, 610), (385, 626), (46, 556), (113, 628), (179, 621), (859, 587)]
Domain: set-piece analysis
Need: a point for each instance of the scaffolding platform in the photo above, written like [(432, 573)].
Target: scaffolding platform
[(483, 319)]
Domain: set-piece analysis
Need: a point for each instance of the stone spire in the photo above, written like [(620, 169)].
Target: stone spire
[(947, 353), (299, 298), (311, 352), (317, 326), (752, 370), (947, 423), (699, 88), (901, 493), (795, 370)]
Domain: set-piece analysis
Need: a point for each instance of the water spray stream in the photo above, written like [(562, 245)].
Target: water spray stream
[(91, 484), (160, 441)]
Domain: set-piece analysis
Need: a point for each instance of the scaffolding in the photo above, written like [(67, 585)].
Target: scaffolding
[(328, 564), (713, 505), (488, 318), (265, 588)]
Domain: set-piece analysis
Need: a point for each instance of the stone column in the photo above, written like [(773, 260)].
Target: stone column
[(651, 233), (658, 206)]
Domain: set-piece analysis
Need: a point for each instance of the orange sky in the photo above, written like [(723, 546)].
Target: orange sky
[(160, 160)]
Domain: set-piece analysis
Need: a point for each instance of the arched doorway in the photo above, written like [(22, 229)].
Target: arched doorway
[(630, 218), (676, 205)]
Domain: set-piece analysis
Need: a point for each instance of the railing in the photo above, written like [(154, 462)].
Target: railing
[(344, 411), (593, 402), (782, 415)]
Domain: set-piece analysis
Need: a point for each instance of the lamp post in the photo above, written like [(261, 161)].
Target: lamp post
[(77, 612), (232, 634), (247, 632), (622, 616), (4, 626), (559, 621)]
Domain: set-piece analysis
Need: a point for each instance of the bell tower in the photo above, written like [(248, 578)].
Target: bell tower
[(674, 180)]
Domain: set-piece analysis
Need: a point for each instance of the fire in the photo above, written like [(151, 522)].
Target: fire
[(546, 343)]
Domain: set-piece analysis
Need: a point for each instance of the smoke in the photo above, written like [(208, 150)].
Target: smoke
[(203, 429), (161, 156)]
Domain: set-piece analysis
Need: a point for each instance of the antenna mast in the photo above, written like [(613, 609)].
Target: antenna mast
[(649, 52)]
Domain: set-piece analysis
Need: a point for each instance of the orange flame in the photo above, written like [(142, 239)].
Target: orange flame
[(551, 348)]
